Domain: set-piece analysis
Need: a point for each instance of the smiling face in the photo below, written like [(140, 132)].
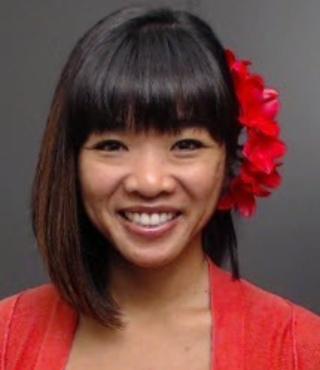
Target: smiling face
[(151, 194)]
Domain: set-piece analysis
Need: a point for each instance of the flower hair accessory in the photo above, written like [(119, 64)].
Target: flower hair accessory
[(258, 173)]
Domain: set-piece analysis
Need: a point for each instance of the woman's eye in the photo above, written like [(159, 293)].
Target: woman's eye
[(110, 145), (188, 144)]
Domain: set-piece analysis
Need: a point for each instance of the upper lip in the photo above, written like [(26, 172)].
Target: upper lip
[(149, 209)]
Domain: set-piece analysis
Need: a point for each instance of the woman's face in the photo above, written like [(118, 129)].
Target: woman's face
[(151, 194)]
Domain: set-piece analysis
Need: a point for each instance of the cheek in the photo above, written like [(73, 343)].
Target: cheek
[(205, 181), (97, 181)]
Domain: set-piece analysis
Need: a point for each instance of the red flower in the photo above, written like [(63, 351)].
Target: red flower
[(259, 107)]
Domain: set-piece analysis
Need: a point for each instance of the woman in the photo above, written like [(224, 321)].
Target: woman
[(139, 170)]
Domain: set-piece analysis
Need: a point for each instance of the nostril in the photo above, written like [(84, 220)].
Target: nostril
[(148, 184)]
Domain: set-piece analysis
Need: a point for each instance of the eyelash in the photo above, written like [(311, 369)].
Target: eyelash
[(107, 144), (195, 144), (115, 145)]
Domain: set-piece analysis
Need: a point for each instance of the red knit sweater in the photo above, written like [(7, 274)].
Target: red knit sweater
[(254, 329)]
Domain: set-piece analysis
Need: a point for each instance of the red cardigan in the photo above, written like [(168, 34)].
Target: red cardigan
[(254, 329)]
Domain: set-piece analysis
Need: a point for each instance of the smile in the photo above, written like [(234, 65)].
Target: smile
[(150, 225), (149, 220)]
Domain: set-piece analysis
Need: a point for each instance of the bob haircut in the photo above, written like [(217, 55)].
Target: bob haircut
[(139, 68)]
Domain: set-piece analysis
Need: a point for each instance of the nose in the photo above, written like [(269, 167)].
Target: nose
[(150, 177)]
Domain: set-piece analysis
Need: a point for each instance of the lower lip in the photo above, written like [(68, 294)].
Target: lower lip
[(150, 233)]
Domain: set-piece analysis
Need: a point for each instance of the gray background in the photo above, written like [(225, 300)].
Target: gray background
[(279, 248)]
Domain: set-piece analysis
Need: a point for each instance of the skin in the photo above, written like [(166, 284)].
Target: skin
[(154, 280)]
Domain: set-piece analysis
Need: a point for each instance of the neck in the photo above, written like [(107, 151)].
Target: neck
[(181, 284)]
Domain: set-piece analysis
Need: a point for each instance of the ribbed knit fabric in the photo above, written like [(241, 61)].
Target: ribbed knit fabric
[(253, 329)]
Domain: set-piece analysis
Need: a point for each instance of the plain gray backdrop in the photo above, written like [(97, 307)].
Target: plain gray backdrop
[(279, 247)]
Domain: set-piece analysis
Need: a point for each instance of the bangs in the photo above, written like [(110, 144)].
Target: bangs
[(157, 77)]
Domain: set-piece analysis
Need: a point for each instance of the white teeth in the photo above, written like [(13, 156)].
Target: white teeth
[(153, 219)]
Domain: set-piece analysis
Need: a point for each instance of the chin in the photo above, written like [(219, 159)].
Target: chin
[(149, 259)]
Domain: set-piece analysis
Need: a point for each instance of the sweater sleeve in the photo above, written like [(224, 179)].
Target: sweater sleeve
[(7, 308), (306, 336)]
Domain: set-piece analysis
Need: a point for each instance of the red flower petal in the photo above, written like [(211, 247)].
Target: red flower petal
[(247, 206), (262, 151), (250, 173), (261, 124), (239, 198), (271, 103)]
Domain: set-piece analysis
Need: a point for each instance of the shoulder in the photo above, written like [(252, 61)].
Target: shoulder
[(27, 306), (265, 302), (32, 301), (291, 327), (272, 331), (44, 290), (24, 318)]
